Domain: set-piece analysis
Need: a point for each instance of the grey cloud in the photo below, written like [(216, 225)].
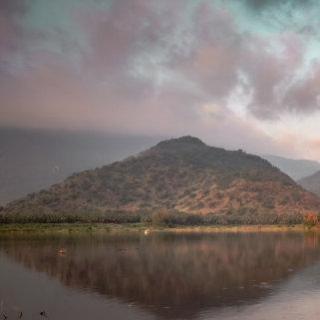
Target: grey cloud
[(221, 53), (263, 4), (13, 7), (212, 60), (304, 95)]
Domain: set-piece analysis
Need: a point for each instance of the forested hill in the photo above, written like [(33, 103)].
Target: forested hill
[(178, 179)]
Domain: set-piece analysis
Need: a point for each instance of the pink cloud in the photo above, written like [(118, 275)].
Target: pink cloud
[(304, 94), (201, 59)]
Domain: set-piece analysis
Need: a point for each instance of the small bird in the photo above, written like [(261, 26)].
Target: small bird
[(43, 314)]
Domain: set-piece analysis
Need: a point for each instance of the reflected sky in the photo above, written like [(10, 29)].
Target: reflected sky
[(161, 276)]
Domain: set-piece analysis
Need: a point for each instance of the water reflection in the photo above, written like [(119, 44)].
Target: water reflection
[(172, 276)]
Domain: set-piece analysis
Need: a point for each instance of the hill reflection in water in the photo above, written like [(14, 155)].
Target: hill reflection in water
[(173, 276)]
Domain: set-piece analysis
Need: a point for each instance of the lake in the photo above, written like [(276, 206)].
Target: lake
[(161, 276)]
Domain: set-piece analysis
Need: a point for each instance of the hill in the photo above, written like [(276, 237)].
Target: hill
[(311, 183), (296, 169), (179, 181)]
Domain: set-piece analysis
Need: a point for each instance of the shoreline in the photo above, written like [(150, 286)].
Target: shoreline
[(100, 228)]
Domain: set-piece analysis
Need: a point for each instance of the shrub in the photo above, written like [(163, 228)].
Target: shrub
[(311, 219)]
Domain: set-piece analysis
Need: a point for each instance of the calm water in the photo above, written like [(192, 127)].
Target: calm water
[(162, 276)]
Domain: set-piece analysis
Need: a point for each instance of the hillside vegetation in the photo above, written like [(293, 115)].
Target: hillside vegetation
[(178, 181)]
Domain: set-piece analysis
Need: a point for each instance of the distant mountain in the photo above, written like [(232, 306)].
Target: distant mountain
[(176, 178), (311, 183), (296, 169), (31, 160)]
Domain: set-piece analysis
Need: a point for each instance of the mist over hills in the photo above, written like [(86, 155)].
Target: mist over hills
[(31, 160), (295, 168), (311, 183), (180, 176)]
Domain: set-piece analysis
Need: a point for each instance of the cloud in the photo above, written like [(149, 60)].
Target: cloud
[(212, 58), (270, 74), (220, 58), (10, 31), (267, 4), (304, 93), (150, 67)]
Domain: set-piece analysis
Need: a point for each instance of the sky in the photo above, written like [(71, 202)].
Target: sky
[(237, 73)]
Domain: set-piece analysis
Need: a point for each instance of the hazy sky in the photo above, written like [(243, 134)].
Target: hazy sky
[(239, 74)]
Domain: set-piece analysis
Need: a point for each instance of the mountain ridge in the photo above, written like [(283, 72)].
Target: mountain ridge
[(295, 168), (311, 183), (180, 177)]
